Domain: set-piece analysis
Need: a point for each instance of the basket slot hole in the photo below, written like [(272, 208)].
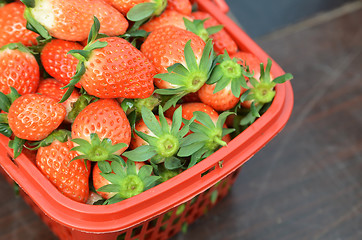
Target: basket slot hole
[(152, 224), (166, 216), (176, 221), (163, 228), (136, 231), (171, 233), (208, 171), (122, 236), (148, 235), (12, 159)]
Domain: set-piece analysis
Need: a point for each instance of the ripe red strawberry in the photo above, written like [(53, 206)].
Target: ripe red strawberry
[(13, 24), (223, 89), (106, 119), (53, 88), (182, 58), (125, 5), (71, 178), (222, 40), (116, 70), (99, 181), (249, 60), (140, 126), (167, 18), (33, 117), (181, 6), (191, 97), (18, 68), (57, 62), (72, 20)]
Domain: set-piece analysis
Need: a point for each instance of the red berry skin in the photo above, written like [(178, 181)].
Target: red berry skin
[(220, 101), (118, 70), (33, 117), (125, 5), (71, 179), (222, 40), (140, 126), (53, 88), (19, 70), (181, 6), (13, 25), (72, 20), (57, 62), (105, 118), (165, 47), (167, 18)]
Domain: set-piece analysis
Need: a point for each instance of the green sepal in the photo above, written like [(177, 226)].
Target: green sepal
[(4, 102), (151, 122), (250, 117), (17, 145), (141, 11), (105, 167), (5, 130), (140, 154), (29, 3), (16, 46), (62, 135), (34, 25), (172, 163), (97, 150), (283, 78), (214, 29), (83, 101), (94, 30), (150, 181)]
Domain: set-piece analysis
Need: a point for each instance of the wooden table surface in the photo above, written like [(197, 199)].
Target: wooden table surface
[(307, 182)]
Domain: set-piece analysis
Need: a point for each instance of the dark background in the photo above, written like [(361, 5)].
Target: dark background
[(260, 17)]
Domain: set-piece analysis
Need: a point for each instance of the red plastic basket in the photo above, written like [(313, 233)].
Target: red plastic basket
[(160, 212)]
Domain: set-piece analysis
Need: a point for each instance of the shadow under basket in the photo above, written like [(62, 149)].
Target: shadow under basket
[(168, 208)]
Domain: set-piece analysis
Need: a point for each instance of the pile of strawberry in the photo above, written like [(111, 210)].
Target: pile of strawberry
[(113, 97)]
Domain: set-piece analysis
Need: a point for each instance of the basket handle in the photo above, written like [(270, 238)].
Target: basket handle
[(221, 5)]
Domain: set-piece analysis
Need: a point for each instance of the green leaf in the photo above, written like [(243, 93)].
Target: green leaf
[(190, 149), (245, 95), (172, 163), (173, 101), (222, 118), (145, 171), (216, 75), (179, 69), (140, 154), (221, 84), (164, 124), (105, 167), (197, 127), (207, 58), (236, 88), (254, 111), (109, 187), (150, 181), (5, 130), (13, 95), (29, 3), (94, 30), (141, 11), (127, 104), (131, 168), (194, 138), (17, 145), (118, 169), (150, 139), (190, 58), (151, 122), (168, 91), (34, 25), (4, 102), (214, 29), (174, 78), (176, 121), (283, 78), (95, 45), (204, 118)]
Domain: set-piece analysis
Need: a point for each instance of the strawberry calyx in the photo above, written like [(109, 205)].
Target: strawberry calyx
[(262, 91), (15, 46), (83, 56), (197, 26), (206, 137), (146, 10), (62, 135), (190, 78), (83, 101), (97, 150), (164, 142), (126, 181), (229, 73)]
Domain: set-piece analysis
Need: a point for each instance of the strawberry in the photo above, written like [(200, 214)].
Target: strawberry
[(221, 39), (167, 18), (33, 117), (122, 182), (101, 130), (182, 59), (57, 62), (18, 68), (13, 25), (250, 61), (141, 126), (99, 181), (181, 6), (163, 139), (208, 132), (53, 88), (223, 89), (154, 7), (71, 178), (111, 67), (72, 20)]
